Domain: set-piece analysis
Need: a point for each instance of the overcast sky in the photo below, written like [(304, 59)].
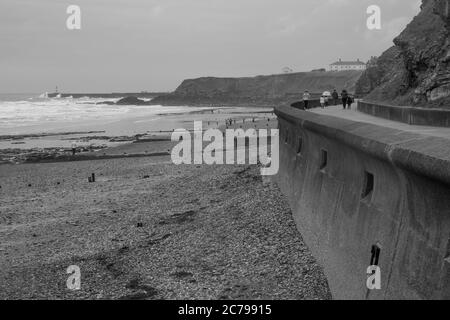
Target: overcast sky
[(134, 45)]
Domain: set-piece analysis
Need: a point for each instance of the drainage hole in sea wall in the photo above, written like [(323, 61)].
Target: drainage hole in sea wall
[(300, 146), (369, 183), (323, 159), (375, 255)]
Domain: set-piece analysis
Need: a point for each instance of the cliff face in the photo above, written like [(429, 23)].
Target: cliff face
[(261, 90), (416, 70)]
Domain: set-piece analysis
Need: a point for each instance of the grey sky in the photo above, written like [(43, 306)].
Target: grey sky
[(134, 45)]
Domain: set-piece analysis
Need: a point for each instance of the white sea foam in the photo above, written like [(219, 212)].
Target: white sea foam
[(37, 113)]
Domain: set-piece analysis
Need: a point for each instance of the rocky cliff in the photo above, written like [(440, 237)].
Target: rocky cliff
[(261, 90), (416, 70)]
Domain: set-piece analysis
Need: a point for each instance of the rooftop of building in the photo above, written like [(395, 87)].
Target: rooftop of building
[(348, 63)]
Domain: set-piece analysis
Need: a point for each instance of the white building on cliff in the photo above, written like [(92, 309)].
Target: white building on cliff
[(347, 65)]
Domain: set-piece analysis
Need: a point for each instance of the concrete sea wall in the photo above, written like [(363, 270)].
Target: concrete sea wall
[(354, 185), (410, 115)]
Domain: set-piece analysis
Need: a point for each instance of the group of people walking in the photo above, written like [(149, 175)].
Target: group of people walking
[(346, 98), (229, 122)]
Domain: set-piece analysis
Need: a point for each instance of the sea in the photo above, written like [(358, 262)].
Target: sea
[(56, 122)]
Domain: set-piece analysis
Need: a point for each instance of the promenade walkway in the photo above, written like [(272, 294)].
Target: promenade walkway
[(353, 114)]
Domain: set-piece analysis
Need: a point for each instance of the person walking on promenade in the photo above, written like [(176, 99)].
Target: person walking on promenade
[(322, 102), (350, 100), (344, 96), (306, 97), (335, 97)]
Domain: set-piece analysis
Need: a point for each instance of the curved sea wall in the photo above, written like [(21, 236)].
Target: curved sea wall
[(410, 115), (354, 185)]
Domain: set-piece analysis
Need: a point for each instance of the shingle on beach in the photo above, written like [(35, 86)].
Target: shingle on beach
[(147, 229)]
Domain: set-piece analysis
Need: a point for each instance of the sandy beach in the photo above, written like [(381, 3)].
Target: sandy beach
[(106, 138), (147, 229)]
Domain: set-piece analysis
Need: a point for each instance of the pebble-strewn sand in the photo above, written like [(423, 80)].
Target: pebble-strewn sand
[(148, 229)]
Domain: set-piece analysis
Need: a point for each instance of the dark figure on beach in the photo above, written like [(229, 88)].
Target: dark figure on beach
[(344, 96), (306, 97), (335, 97)]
